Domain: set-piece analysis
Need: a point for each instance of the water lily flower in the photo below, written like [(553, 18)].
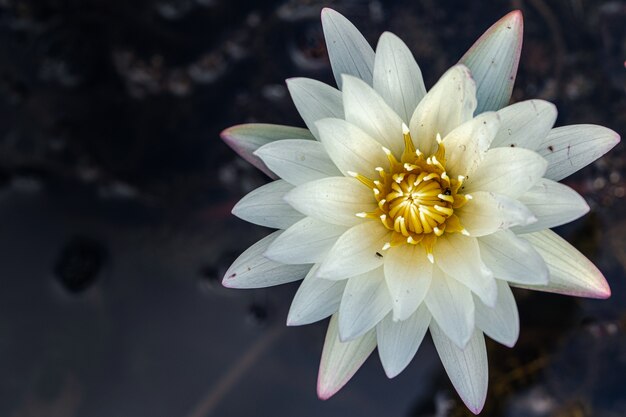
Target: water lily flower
[(406, 210)]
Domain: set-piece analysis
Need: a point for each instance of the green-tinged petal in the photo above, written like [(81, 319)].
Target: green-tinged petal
[(399, 340), (316, 299), (459, 257), (570, 148), (452, 307), (253, 270), (348, 50), (397, 77), (467, 368), (493, 61), (315, 100), (365, 302), (571, 273), (408, 273), (341, 360), (247, 138), (500, 322)]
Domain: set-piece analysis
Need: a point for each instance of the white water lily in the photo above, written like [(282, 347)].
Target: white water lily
[(406, 210)]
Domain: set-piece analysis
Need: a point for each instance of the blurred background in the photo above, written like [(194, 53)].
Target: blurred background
[(115, 198)]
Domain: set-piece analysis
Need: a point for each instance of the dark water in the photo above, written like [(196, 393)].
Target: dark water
[(115, 197)]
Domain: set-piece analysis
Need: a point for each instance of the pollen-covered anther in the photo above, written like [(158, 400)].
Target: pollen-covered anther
[(415, 196)]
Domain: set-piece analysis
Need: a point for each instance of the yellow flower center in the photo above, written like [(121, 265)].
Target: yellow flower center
[(415, 197)]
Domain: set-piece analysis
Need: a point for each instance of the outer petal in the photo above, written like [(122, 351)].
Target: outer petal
[(398, 341), (513, 259), (314, 101), (569, 148), (350, 148), (408, 273), (306, 242), (467, 145), (447, 105), (265, 206), (397, 77), (365, 302), (356, 251), (507, 171), (315, 299), (493, 60), (298, 161), (348, 50), (459, 257), (367, 110), (451, 305), (553, 204), (334, 200), (571, 273), (340, 361), (501, 323), (487, 213), (252, 270), (467, 368), (525, 124), (247, 138)]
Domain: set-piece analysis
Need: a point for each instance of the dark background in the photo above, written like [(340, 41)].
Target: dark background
[(115, 197)]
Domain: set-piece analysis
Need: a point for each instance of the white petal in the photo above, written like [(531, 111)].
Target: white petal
[(348, 50), (306, 242), (315, 299), (571, 273), (334, 200), (350, 148), (493, 60), (365, 302), (569, 148), (265, 206), (487, 213), (452, 307), (459, 257), (525, 124), (247, 138), (447, 105), (408, 273), (340, 361), (467, 144), (467, 368), (253, 270), (398, 341), (367, 110), (501, 323), (507, 171), (298, 161), (315, 100), (553, 204), (397, 77), (512, 259), (357, 251)]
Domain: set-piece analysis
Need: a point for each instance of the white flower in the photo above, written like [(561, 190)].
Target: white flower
[(415, 210)]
